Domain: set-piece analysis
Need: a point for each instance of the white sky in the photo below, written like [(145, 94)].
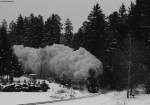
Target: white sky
[(76, 10)]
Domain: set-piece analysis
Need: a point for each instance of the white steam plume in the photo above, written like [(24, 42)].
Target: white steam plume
[(58, 59)]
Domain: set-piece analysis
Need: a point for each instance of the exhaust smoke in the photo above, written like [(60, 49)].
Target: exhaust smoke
[(59, 60)]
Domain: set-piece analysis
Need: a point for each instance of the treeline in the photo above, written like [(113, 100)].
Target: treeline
[(120, 41), (31, 31)]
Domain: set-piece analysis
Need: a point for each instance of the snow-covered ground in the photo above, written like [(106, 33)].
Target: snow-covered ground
[(14, 98), (111, 98), (56, 92)]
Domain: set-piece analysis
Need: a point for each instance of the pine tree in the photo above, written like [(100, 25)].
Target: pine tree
[(143, 8), (33, 31), (19, 32), (92, 35), (97, 20), (27, 39), (80, 37), (16, 31), (123, 28), (94, 32), (29, 30), (133, 20), (52, 30), (120, 25), (113, 21), (36, 27), (4, 50), (68, 35), (113, 31), (8, 62), (12, 33)]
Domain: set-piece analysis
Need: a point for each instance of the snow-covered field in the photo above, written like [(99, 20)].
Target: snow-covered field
[(111, 98), (58, 92)]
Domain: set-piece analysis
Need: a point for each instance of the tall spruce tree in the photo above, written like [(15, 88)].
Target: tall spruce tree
[(68, 35), (8, 63), (3, 50), (16, 31), (112, 30), (19, 32), (36, 27), (12, 33), (80, 37), (52, 30), (29, 31), (123, 29), (143, 8), (94, 32), (133, 20)]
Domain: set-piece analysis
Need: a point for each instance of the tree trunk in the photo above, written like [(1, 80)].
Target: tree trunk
[(129, 67)]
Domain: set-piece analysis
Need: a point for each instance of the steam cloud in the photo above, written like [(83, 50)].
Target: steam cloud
[(59, 60)]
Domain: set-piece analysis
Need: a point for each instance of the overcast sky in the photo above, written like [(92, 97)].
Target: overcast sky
[(76, 10)]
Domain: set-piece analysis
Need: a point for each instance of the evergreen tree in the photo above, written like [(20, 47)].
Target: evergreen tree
[(80, 37), (52, 30), (68, 35), (97, 20), (120, 25), (94, 32), (8, 62), (113, 21), (143, 8), (123, 29), (96, 36), (29, 31), (15, 67), (33, 31), (12, 34), (36, 30), (19, 32), (113, 31), (133, 20), (27, 39), (16, 31), (107, 79), (128, 60), (3, 49)]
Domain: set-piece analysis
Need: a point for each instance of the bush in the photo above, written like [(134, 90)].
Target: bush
[(44, 87), (24, 87)]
